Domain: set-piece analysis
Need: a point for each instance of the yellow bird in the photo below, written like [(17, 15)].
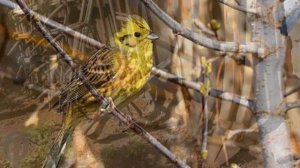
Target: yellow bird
[(117, 72)]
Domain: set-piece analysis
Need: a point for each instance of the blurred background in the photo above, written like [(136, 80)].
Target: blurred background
[(31, 75)]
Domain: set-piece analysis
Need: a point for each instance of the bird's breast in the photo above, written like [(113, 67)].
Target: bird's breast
[(129, 78)]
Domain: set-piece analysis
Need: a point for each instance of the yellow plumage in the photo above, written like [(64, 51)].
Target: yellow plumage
[(117, 72)]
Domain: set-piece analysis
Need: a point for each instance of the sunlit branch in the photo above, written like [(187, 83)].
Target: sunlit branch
[(205, 119), (55, 25), (203, 28), (297, 88), (212, 92), (105, 103), (202, 40), (238, 7), (290, 105), (78, 35), (233, 143), (232, 133)]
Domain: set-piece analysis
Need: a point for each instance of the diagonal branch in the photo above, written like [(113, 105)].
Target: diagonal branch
[(75, 34), (285, 107), (203, 28), (202, 40), (238, 7), (181, 81), (55, 25), (106, 103), (296, 89), (212, 92)]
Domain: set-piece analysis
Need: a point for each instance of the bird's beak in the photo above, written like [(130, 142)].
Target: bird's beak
[(152, 36)]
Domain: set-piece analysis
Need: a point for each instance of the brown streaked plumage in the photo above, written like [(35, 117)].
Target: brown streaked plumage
[(117, 72)]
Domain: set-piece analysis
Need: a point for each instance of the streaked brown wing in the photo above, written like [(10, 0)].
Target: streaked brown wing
[(98, 69)]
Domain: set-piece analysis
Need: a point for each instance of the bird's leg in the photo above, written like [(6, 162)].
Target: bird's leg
[(109, 108)]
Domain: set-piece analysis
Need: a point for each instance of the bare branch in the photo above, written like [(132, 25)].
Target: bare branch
[(205, 73), (204, 150), (233, 133), (56, 25), (212, 92), (268, 82), (105, 103), (219, 140), (202, 28), (238, 7), (202, 40), (297, 88), (82, 37), (285, 107)]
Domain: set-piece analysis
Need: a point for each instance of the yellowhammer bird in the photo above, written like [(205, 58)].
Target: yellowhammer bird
[(117, 72)]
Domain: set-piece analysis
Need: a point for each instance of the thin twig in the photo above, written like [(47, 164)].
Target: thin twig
[(289, 106), (104, 102), (204, 151), (212, 92), (238, 7), (296, 89), (63, 28), (202, 40), (56, 25), (203, 28), (233, 133), (220, 141), (205, 73)]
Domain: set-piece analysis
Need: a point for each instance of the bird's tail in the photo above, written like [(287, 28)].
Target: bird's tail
[(58, 148)]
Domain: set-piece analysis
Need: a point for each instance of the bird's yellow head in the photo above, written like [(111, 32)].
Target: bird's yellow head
[(135, 34)]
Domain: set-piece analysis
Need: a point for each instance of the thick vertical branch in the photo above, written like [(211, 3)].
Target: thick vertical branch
[(274, 136)]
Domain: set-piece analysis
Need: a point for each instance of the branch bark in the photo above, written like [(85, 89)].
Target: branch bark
[(181, 81), (289, 106), (273, 130), (202, 40), (203, 28), (103, 101), (212, 92), (238, 7), (294, 90), (56, 25)]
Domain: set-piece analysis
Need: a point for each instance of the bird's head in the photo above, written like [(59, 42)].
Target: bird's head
[(134, 34)]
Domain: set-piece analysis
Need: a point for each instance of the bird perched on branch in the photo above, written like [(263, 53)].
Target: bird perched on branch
[(117, 72)]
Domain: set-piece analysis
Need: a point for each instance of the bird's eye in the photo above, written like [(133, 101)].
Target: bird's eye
[(137, 34)]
